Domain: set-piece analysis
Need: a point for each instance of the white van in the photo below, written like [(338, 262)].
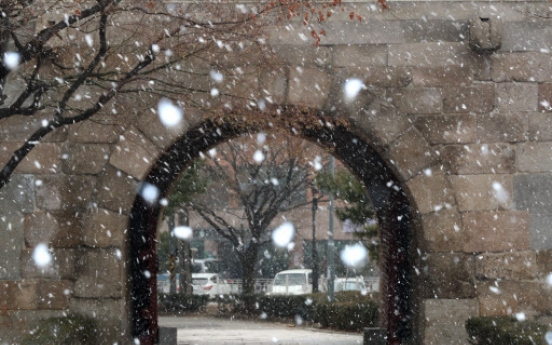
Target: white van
[(292, 282)]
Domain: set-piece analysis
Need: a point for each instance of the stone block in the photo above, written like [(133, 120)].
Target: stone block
[(447, 129), (55, 230), (61, 267), (134, 154), (17, 127), (304, 56), (411, 153), (533, 157), (85, 159), (509, 297), (45, 158), (100, 131), (116, 191), (457, 76), (478, 159), (517, 96), (539, 127), (110, 314), (441, 232), (444, 320), (309, 87), (274, 85), (483, 192), (417, 100), (544, 263), (545, 97), (435, 30), (16, 324), (499, 231), (533, 193), (99, 274), (159, 134), (54, 294), (17, 196), (506, 266), (429, 54), (359, 55), (18, 295), (104, 229), (526, 67), (11, 243), (476, 98), (526, 36), (448, 275), (503, 127), (431, 193), (541, 232), (65, 193)]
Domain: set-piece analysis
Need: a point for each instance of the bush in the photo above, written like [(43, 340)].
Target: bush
[(286, 306), (69, 330), (502, 330), (350, 315), (181, 302)]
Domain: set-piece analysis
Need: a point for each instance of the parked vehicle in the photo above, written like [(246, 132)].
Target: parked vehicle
[(209, 284), (292, 282), (349, 284), (206, 266)]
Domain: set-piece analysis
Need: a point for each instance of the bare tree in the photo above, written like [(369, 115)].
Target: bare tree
[(260, 183)]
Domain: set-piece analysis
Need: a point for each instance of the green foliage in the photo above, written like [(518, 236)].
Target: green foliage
[(69, 330), (351, 316), (163, 252), (181, 302), (502, 330), (188, 185)]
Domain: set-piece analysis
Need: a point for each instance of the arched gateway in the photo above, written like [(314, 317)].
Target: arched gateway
[(389, 199)]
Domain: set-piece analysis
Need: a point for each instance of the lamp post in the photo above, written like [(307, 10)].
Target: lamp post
[(315, 273), (331, 276)]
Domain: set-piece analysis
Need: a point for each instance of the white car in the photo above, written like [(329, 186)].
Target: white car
[(209, 284), (292, 282), (349, 284)]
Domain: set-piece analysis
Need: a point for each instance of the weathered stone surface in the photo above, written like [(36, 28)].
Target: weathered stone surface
[(495, 231), (11, 243), (110, 314), (18, 195), (444, 320), (309, 87), (533, 193), (429, 54), (65, 193), (274, 85), (411, 153), (441, 232), (544, 263), (417, 100), (16, 324), (526, 36), (133, 154), (99, 274), (55, 230), (435, 30), (242, 82), (117, 191), (45, 158), (447, 129), (311, 56), (54, 294), (431, 193), (541, 232), (478, 159), (104, 229), (533, 157), (522, 67), (483, 192), (359, 55), (545, 97), (448, 275), (458, 76), (507, 266), (539, 126), (100, 131), (476, 98), (85, 159), (17, 127), (159, 134), (61, 267), (508, 297), (517, 96), (502, 127)]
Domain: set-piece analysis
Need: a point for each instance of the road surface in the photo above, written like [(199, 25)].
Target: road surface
[(201, 330)]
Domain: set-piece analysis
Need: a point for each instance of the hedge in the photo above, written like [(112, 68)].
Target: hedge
[(351, 316), (503, 330), (181, 302), (68, 330)]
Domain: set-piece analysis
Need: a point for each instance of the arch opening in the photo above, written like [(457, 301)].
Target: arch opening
[(391, 206)]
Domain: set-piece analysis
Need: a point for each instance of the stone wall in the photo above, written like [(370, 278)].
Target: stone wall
[(469, 136)]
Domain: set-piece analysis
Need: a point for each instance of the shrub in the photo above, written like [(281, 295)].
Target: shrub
[(285, 306), (502, 330), (69, 330), (350, 315), (181, 302)]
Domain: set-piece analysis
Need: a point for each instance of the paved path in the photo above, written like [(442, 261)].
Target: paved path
[(202, 330)]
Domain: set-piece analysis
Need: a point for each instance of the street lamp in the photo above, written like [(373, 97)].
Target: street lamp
[(315, 273)]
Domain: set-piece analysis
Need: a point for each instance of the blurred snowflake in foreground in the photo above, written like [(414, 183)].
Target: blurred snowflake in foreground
[(42, 256), (354, 256), (283, 234)]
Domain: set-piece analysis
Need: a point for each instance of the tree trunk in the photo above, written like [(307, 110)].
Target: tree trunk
[(248, 260), (185, 262)]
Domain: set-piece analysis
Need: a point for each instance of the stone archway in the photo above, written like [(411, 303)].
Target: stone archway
[(391, 203)]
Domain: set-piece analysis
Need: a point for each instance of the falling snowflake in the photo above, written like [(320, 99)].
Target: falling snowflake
[(214, 92), (89, 40), (11, 60), (216, 76), (354, 256), (549, 280), (500, 193), (212, 153), (183, 232), (258, 156), (149, 192), (352, 87), (548, 338), (520, 316), (42, 256), (283, 234), (261, 138), (169, 114)]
